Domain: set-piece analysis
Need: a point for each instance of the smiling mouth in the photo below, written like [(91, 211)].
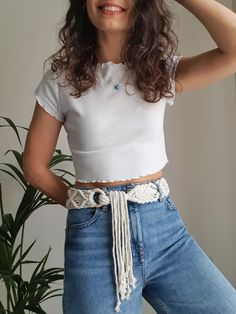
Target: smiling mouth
[(108, 9)]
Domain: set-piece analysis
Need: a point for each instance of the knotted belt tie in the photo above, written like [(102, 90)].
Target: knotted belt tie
[(122, 255)]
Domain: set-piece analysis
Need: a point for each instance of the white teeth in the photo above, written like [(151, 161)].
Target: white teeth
[(111, 8)]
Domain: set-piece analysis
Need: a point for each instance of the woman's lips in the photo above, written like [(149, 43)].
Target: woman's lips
[(109, 12)]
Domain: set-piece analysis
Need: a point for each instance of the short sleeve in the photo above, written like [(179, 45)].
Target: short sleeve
[(47, 95), (175, 61)]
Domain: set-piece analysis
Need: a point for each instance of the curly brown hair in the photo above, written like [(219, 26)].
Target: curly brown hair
[(145, 49)]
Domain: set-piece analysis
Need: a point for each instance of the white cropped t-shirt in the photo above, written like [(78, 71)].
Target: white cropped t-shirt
[(113, 136)]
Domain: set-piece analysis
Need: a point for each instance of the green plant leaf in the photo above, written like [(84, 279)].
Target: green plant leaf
[(3, 240), (17, 278), (52, 296), (17, 172), (5, 256), (18, 126), (1, 205), (35, 309), (23, 295), (15, 253), (12, 124), (18, 156), (65, 171), (4, 236), (41, 291), (58, 159), (26, 206), (30, 262), (8, 222), (23, 256), (49, 293), (20, 306), (57, 151), (10, 174), (1, 308), (8, 276), (48, 274), (40, 264)]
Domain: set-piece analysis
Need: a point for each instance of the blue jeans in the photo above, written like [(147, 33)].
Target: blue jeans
[(173, 273)]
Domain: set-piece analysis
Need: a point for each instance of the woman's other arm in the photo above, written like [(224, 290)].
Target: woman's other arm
[(198, 71), (39, 147)]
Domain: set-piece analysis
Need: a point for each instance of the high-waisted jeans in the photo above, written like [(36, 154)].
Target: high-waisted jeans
[(173, 273)]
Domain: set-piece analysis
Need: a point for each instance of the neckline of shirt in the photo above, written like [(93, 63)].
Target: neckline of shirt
[(108, 63), (110, 69)]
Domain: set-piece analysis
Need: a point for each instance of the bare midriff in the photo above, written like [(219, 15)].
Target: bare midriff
[(153, 176)]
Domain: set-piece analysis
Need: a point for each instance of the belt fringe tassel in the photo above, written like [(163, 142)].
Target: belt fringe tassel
[(121, 250)]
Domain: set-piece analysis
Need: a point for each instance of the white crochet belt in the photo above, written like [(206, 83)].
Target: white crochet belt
[(122, 256)]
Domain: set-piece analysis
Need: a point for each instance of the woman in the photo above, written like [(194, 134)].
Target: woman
[(108, 86)]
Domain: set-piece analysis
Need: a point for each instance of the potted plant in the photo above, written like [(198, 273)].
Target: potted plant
[(25, 296)]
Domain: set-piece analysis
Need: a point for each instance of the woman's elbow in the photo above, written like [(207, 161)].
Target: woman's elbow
[(32, 170)]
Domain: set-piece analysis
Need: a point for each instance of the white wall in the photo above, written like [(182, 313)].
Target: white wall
[(200, 131)]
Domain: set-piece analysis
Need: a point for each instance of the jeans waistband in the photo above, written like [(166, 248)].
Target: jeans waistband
[(127, 186)]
